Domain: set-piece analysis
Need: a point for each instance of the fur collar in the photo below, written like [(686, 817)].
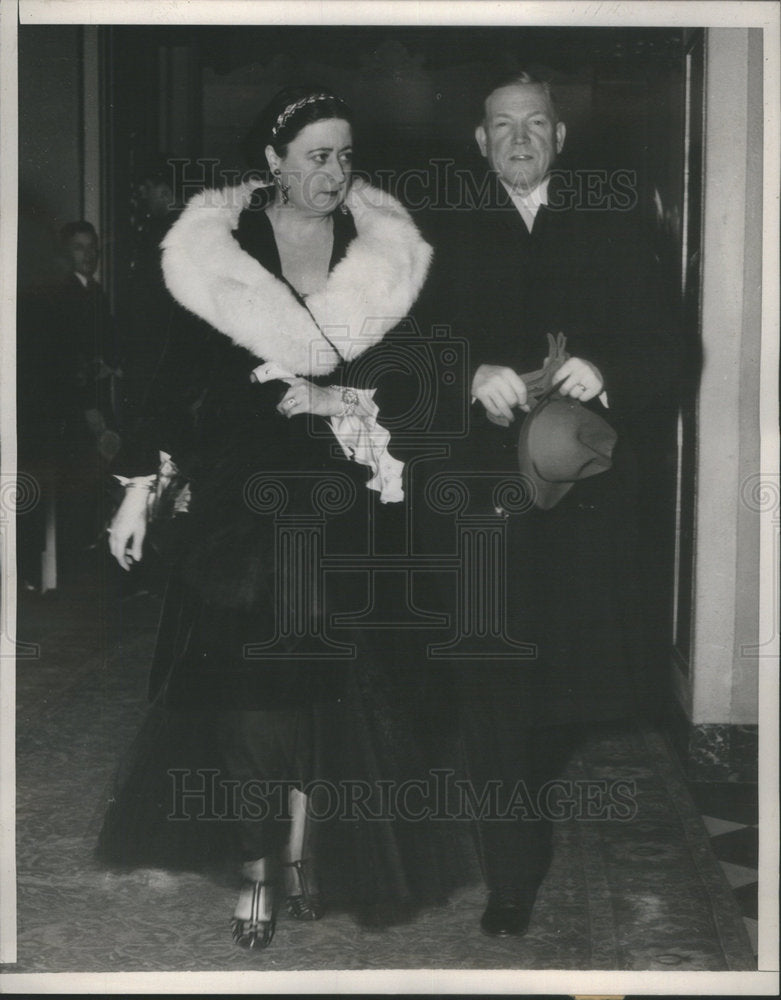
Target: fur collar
[(366, 294)]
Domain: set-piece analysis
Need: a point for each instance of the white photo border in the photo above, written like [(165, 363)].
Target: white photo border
[(526, 13)]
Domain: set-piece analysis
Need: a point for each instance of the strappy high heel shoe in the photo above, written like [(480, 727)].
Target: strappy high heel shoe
[(255, 931), (305, 903)]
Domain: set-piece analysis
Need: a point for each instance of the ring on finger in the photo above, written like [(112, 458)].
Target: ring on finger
[(290, 402)]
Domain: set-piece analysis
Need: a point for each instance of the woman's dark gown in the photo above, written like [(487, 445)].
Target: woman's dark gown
[(252, 474)]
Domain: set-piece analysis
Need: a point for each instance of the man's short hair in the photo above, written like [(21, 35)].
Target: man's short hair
[(522, 77), (70, 229)]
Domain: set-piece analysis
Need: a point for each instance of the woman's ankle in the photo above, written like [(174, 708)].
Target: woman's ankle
[(259, 870), (256, 901)]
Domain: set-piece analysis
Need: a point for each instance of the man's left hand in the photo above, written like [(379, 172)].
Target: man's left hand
[(582, 380)]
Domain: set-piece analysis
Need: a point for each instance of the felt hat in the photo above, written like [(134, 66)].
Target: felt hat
[(561, 442)]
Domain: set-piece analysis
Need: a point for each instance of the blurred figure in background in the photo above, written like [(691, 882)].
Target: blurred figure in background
[(82, 321), (68, 373), (145, 316), (81, 352)]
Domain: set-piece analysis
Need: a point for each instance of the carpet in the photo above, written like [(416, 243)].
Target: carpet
[(638, 890)]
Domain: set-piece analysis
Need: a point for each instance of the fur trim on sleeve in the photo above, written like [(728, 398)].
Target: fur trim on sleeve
[(367, 293)]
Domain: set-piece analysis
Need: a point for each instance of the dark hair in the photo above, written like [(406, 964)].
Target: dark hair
[(524, 77), (286, 114), (70, 229)]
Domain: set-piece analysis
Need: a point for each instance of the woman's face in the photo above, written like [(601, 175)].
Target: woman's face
[(316, 168)]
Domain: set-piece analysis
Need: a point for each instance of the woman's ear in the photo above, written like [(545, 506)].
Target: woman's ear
[(271, 158)]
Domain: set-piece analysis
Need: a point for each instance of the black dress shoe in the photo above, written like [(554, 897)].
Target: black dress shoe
[(507, 914)]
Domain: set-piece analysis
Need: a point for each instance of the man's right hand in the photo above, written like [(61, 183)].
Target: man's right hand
[(126, 534), (499, 389)]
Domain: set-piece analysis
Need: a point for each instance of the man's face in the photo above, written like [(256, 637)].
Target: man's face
[(82, 250), (520, 136), (157, 198)]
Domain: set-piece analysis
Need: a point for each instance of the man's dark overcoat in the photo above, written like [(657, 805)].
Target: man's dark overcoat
[(572, 578)]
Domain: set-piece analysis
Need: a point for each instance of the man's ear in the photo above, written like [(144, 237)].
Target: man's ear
[(271, 158), (482, 139), (561, 134)]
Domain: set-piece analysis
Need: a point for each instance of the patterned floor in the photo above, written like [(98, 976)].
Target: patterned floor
[(731, 815), (645, 895)]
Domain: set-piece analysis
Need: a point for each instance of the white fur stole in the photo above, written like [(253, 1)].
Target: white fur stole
[(368, 292)]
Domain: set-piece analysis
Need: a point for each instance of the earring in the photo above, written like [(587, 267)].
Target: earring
[(282, 188)]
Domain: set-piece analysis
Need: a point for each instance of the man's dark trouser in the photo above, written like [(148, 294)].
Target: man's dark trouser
[(501, 744)]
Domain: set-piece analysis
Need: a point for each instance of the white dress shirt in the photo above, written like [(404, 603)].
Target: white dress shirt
[(529, 204)]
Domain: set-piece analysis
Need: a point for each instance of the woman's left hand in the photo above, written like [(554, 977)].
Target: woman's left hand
[(305, 397), (582, 380)]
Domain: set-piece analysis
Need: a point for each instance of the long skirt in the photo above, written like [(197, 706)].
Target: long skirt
[(206, 788)]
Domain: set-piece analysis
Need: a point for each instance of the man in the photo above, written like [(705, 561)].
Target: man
[(530, 259), (84, 327), (83, 362)]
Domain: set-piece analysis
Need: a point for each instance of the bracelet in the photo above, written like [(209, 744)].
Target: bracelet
[(350, 399)]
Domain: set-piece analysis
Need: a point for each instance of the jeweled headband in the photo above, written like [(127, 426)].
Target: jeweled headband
[(291, 109)]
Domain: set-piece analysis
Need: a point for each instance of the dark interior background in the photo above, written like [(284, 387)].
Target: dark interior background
[(190, 93)]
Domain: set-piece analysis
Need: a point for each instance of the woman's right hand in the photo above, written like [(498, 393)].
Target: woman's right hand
[(305, 397), (127, 531)]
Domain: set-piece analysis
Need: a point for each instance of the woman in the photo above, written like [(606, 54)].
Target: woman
[(279, 289)]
